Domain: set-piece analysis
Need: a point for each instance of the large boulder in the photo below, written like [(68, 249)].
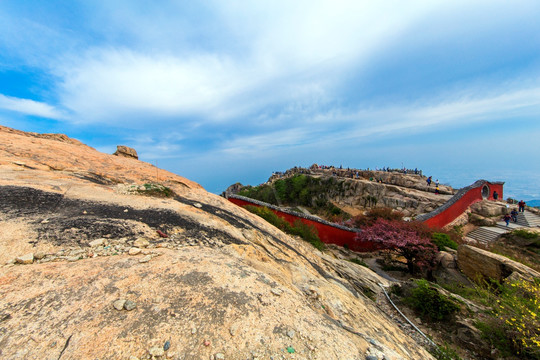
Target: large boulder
[(480, 264), (487, 208), (126, 151)]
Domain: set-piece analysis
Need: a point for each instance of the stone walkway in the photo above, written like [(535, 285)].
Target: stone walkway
[(488, 234)]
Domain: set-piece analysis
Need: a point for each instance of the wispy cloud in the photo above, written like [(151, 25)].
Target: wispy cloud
[(29, 107)]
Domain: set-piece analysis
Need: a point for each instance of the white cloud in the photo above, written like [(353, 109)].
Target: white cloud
[(278, 54), (29, 107)]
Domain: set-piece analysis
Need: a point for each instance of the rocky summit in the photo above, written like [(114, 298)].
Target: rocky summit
[(108, 257)]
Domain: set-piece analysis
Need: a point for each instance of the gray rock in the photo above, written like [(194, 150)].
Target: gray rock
[(371, 357), (197, 205), (96, 243), (277, 292), (141, 243), (134, 251), (291, 333), (119, 304), (156, 351), (25, 259), (129, 305), (167, 345), (145, 259), (39, 255), (219, 356)]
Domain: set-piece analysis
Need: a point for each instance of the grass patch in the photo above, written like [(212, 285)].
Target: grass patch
[(155, 190), (359, 262), (306, 232)]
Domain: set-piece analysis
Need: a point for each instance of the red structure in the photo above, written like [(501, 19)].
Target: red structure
[(448, 212), (331, 233), (328, 233)]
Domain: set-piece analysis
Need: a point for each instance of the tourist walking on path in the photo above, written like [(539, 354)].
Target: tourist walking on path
[(428, 181), (514, 215), (521, 205), (507, 219)]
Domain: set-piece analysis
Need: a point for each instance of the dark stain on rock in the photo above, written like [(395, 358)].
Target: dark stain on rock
[(75, 221)]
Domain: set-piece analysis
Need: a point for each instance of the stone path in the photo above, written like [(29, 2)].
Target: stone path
[(487, 234)]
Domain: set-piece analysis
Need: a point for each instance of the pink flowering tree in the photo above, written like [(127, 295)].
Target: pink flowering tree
[(405, 238)]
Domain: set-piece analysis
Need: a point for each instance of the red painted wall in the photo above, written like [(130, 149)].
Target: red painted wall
[(327, 233), (472, 196)]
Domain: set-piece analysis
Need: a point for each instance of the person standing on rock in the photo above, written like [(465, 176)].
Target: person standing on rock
[(521, 205), (495, 195), (514, 215), (428, 181)]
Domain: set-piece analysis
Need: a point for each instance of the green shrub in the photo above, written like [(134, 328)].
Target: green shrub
[(443, 240), (429, 303), (514, 325)]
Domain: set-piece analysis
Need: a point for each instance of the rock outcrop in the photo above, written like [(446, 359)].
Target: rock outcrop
[(481, 264), (126, 151), (96, 266), (357, 190)]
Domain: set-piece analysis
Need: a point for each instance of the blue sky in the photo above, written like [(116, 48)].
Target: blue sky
[(227, 91)]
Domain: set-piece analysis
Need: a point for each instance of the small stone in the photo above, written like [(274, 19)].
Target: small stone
[(167, 345), (39, 255), (11, 262), (156, 351), (119, 304), (25, 259), (277, 292), (134, 251), (133, 358), (141, 243), (45, 221), (126, 210), (197, 205), (73, 258), (129, 305), (219, 356), (372, 342), (84, 212), (193, 330), (206, 343), (371, 357), (291, 333), (145, 259), (96, 243), (233, 329)]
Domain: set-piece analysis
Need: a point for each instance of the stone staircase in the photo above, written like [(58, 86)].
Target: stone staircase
[(528, 219), (487, 234)]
